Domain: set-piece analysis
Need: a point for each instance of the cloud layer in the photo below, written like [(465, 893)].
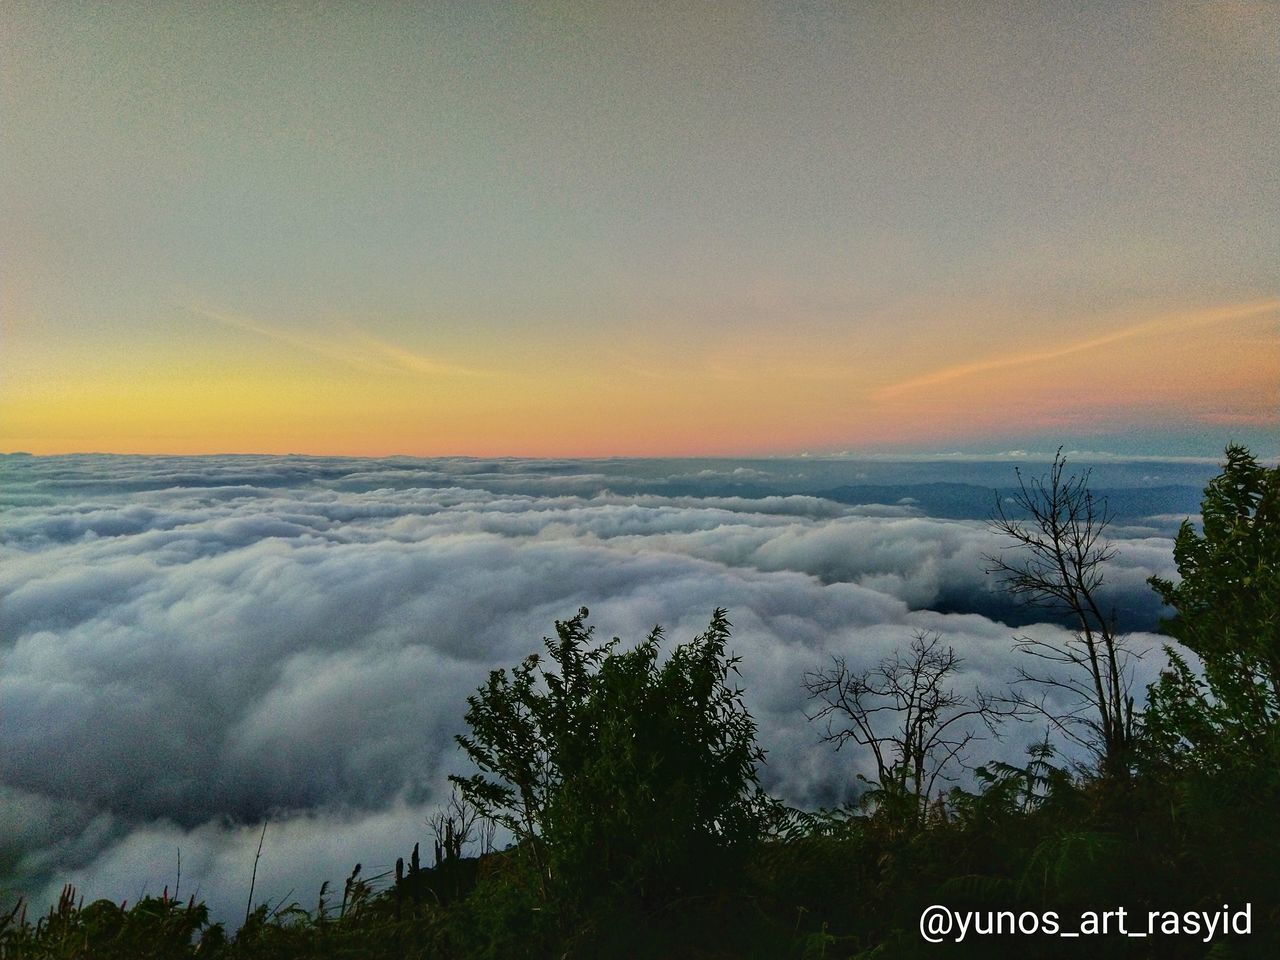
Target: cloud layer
[(191, 646)]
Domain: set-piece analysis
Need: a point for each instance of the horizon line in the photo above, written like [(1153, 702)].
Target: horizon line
[(1010, 456)]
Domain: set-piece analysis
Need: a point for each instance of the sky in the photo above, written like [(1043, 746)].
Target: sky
[(189, 646), (639, 229)]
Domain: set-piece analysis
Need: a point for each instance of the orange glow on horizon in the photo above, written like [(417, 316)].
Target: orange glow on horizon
[(271, 392)]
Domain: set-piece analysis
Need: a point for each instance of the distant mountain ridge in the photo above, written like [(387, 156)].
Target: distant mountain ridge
[(967, 501)]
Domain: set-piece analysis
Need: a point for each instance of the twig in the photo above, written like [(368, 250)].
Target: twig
[(254, 879)]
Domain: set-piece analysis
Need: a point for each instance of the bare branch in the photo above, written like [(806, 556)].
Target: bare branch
[(915, 725), (1056, 558)]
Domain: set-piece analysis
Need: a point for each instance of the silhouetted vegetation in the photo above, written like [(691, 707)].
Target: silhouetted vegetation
[(904, 712), (1059, 555), (627, 782)]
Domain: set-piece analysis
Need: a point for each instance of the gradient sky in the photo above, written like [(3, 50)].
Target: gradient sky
[(572, 229)]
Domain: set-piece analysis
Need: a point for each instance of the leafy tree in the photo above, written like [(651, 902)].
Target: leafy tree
[(618, 774), (1056, 559), (1227, 612), (1213, 736)]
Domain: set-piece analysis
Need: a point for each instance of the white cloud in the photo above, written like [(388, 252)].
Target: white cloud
[(189, 646)]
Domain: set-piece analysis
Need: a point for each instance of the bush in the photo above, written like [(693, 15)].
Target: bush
[(625, 779)]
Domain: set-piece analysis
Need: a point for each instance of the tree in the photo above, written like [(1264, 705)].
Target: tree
[(456, 825), (916, 727), (1056, 559), (1227, 612), (618, 774)]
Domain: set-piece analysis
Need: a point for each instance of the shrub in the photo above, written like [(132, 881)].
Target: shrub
[(623, 777)]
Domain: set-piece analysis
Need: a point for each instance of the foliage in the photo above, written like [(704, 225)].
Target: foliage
[(1227, 612), (621, 776), (154, 927), (1005, 790)]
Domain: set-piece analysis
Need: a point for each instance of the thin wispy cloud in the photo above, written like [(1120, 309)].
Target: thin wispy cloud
[(1164, 325), (306, 344), (406, 359), (356, 349)]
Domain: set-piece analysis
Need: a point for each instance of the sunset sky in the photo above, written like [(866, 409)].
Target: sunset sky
[(639, 229)]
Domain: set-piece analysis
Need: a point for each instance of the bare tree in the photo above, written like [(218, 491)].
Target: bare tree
[(916, 727), (456, 825), (1056, 559)]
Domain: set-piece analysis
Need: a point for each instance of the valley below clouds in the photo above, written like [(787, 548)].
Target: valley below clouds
[(189, 646)]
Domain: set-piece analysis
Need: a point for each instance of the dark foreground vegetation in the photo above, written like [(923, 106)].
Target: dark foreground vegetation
[(627, 780)]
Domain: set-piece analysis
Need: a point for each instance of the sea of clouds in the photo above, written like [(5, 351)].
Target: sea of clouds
[(189, 646)]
